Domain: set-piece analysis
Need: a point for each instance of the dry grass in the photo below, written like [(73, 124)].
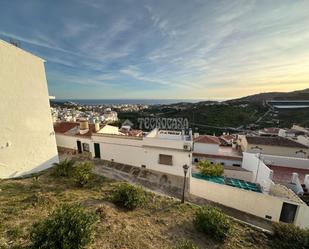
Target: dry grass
[(160, 224)]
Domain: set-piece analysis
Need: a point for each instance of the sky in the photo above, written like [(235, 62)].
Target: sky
[(175, 49)]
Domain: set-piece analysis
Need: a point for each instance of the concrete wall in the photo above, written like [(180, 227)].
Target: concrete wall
[(247, 201), (257, 204), (70, 142), (302, 218), (261, 173), (224, 161), (206, 148), (136, 152), (274, 150), (242, 175), (292, 162), (27, 141)]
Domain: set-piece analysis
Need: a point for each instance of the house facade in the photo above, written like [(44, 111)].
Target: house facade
[(279, 146), (159, 150)]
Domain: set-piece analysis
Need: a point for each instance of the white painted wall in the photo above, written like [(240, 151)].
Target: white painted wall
[(136, 152), (261, 173), (206, 148), (27, 141), (302, 218), (70, 142), (247, 201), (227, 162), (292, 162), (258, 204)]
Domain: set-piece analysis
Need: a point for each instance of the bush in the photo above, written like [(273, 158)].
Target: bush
[(186, 244), (68, 227), (290, 236), (63, 168), (82, 173), (128, 196), (209, 169), (213, 222)]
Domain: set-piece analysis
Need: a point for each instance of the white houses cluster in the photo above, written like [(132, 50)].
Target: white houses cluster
[(159, 150)]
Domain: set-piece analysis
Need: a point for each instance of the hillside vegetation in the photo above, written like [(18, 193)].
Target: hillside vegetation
[(218, 117), (161, 222)]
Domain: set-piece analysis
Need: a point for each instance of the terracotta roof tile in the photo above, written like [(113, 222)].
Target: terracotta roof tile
[(207, 139), (62, 127)]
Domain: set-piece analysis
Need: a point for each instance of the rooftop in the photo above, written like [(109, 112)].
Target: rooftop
[(274, 141), (207, 139)]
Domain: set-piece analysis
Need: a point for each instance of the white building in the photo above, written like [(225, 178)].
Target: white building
[(27, 140), (110, 116), (209, 148), (163, 151)]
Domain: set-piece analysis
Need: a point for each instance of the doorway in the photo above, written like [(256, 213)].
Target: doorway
[(79, 147), (288, 212), (97, 152)]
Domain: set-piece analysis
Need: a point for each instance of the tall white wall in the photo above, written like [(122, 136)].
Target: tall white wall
[(261, 173), (27, 141)]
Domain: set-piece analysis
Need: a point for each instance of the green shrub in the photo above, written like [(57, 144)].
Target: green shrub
[(186, 244), (128, 196), (290, 236), (82, 173), (14, 233), (63, 168), (206, 168), (68, 227), (213, 222)]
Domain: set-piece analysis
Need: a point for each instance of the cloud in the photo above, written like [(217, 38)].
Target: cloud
[(183, 48)]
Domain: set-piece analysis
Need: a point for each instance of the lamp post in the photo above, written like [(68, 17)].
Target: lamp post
[(185, 171), (259, 159)]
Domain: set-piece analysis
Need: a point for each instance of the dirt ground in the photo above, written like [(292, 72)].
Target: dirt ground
[(160, 224)]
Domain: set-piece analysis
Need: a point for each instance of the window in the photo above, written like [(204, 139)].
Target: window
[(85, 147), (165, 159)]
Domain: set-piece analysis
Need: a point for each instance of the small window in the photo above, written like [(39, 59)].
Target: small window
[(222, 163), (236, 165), (165, 159), (85, 147)]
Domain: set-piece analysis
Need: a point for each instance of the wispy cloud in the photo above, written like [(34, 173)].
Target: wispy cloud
[(187, 49)]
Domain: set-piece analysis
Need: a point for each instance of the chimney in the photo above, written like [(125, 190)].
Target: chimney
[(96, 126), (196, 134), (83, 126)]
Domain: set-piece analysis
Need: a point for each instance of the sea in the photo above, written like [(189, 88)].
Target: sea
[(127, 101)]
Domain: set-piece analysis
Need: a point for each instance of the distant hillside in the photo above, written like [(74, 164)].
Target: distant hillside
[(295, 95)]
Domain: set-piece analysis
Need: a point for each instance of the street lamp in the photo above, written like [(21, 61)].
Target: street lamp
[(259, 159), (185, 171)]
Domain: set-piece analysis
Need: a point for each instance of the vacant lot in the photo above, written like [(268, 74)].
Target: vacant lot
[(160, 224)]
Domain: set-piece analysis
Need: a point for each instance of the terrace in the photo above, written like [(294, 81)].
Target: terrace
[(233, 182)]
